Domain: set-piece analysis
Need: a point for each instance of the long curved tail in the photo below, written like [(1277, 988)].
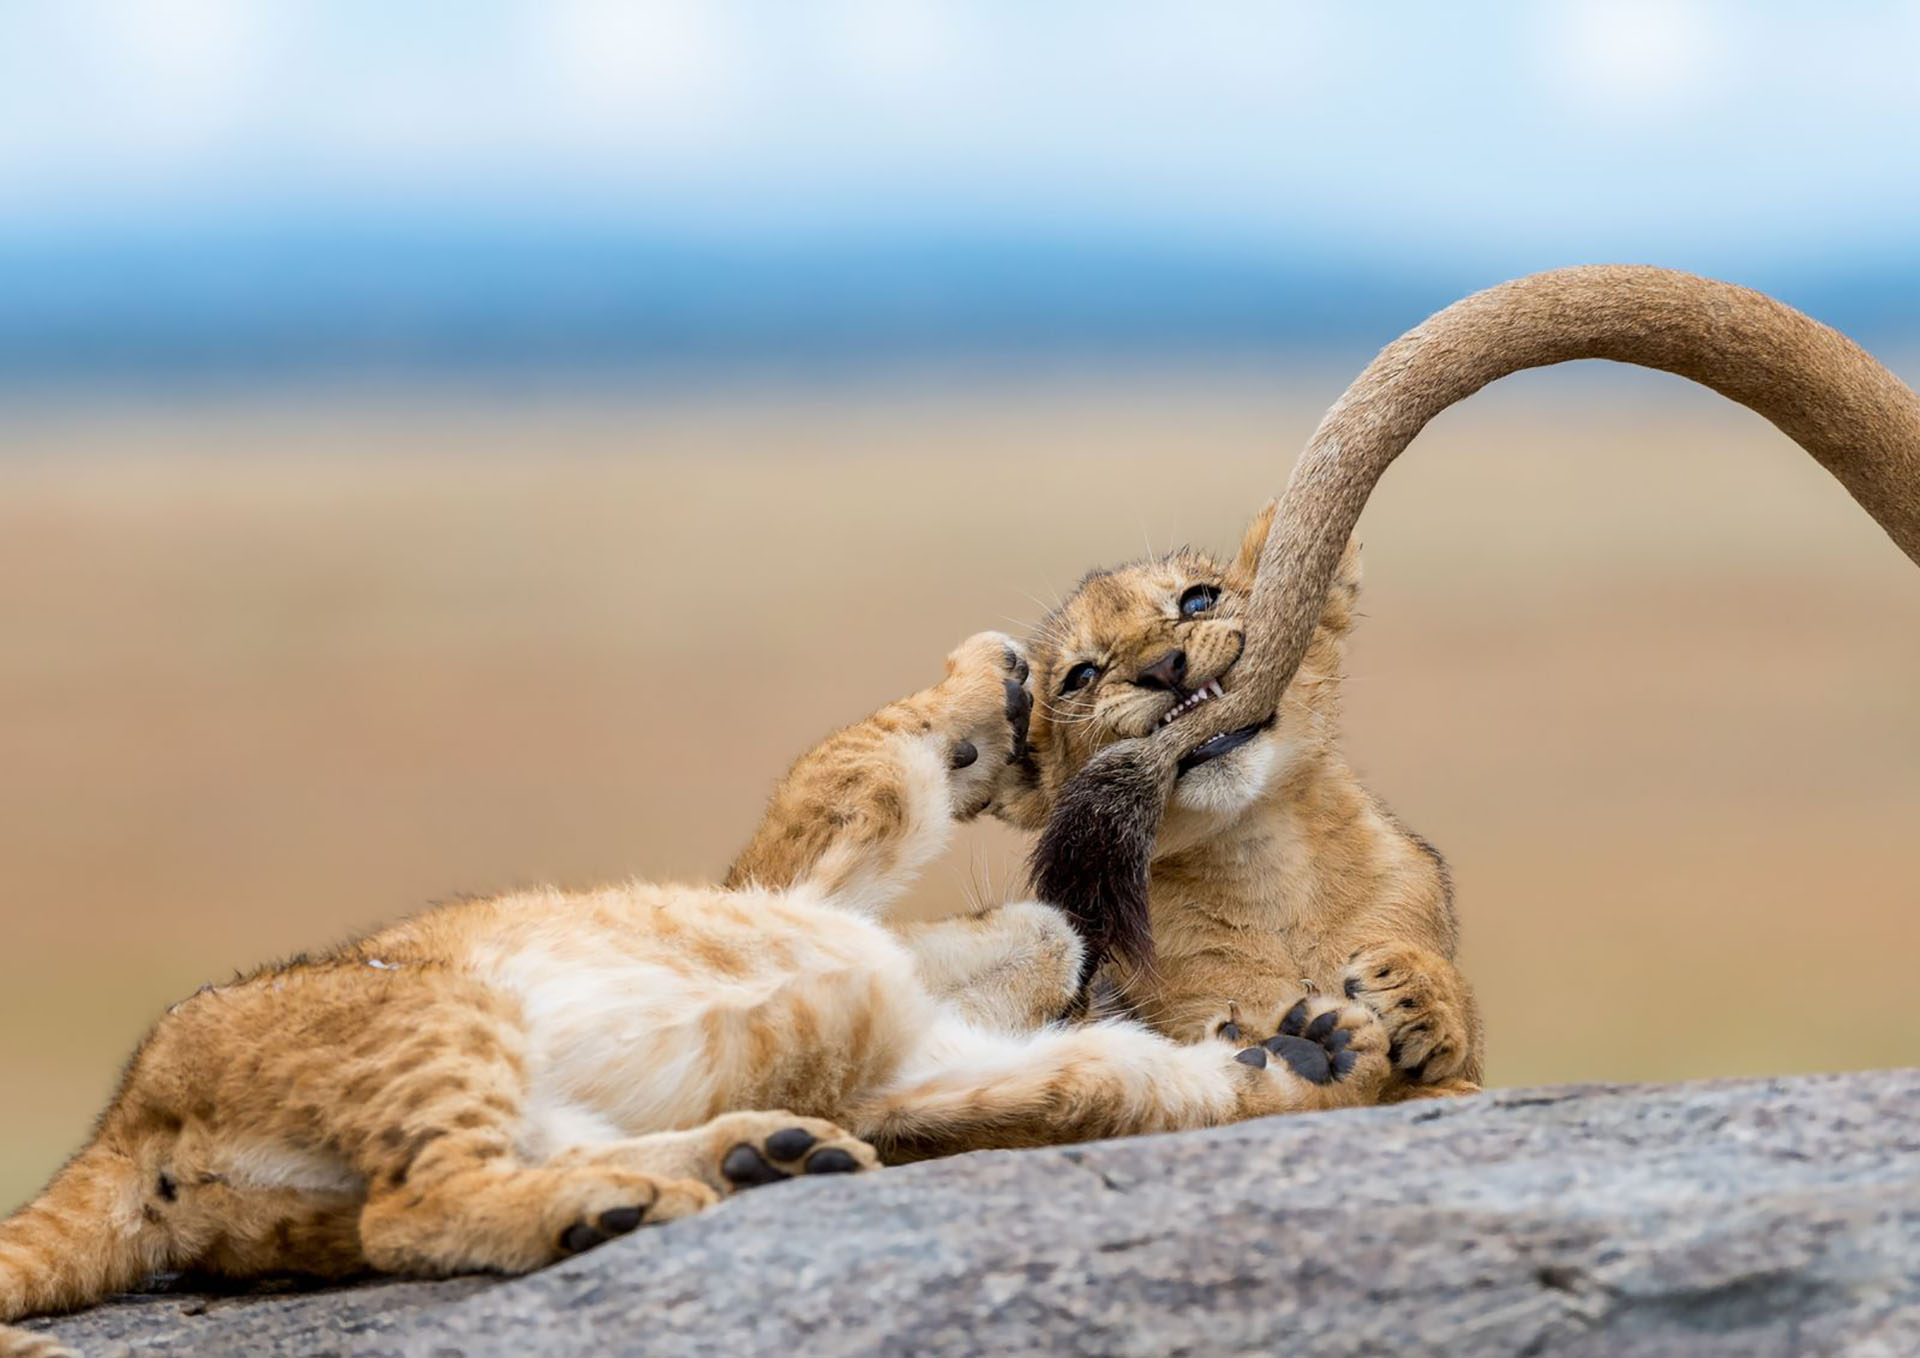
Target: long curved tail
[(81, 1240), (1818, 387), (1822, 390)]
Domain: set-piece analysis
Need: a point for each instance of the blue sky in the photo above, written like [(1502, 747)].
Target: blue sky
[(1765, 141)]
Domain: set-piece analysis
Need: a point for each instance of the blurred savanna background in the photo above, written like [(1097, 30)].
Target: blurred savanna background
[(445, 447)]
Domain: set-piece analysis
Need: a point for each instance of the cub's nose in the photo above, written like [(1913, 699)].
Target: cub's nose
[(1168, 672)]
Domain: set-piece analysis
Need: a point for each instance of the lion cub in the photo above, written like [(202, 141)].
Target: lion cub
[(1275, 875), (499, 1083)]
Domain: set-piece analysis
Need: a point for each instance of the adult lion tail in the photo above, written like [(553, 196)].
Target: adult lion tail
[(1818, 387), (81, 1240)]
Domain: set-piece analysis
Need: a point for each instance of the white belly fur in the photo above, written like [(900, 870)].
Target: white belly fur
[(627, 1033)]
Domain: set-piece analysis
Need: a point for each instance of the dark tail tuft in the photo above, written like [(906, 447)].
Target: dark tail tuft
[(1092, 859)]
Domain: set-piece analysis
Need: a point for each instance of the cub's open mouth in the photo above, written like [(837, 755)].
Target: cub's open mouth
[(1224, 743), (1206, 693)]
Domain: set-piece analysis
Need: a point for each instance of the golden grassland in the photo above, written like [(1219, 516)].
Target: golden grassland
[(273, 673)]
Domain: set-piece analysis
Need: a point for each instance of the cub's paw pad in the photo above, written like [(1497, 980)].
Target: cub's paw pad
[(962, 755), (745, 1167), (790, 1150), (1316, 1039), (832, 1160), (791, 1144), (582, 1236)]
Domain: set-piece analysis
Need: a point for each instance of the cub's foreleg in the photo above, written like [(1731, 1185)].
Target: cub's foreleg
[(861, 813), (971, 1090)]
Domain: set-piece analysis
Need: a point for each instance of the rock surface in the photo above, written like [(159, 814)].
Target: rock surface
[(1745, 1218)]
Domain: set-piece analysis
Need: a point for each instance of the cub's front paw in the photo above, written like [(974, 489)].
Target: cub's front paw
[(1424, 1005), (985, 708), (1327, 1054)]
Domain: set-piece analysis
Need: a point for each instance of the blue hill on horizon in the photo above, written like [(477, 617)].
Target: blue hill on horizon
[(294, 304)]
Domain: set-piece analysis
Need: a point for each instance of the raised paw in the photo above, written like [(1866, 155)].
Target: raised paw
[(1425, 1007), (764, 1148), (1326, 1054), (985, 710)]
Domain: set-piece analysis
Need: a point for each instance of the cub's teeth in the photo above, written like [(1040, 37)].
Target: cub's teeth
[(1213, 689)]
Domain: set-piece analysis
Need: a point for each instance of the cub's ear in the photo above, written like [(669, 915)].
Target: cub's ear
[(1247, 564), (1341, 594)]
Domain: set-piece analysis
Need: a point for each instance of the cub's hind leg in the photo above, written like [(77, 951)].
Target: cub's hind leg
[(864, 810), (477, 1212), (432, 1112)]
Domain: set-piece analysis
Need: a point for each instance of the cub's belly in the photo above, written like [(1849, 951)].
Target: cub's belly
[(622, 1043)]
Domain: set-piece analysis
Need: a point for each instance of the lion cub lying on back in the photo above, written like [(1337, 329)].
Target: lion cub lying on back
[(498, 1083), (1275, 873)]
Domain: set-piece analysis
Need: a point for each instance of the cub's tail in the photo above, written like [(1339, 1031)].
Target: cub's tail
[(83, 1239), (1818, 387)]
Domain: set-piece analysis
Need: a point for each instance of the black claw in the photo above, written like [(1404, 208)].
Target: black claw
[(790, 1143), (963, 754), (580, 1236), (832, 1160), (1019, 715), (1252, 1056), (620, 1220), (1017, 663), (1352, 987), (1296, 1020), (1306, 1059), (745, 1167), (1322, 1028)]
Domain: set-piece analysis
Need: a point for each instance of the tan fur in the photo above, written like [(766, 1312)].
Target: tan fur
[(1275, 873), (498, 1082)]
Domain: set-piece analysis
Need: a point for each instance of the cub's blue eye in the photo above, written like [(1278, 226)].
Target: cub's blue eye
[(1079, 677), (1198, 600)]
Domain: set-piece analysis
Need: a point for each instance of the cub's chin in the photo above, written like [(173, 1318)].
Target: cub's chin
[(1213, 796)]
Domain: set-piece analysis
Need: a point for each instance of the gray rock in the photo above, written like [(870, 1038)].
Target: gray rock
[(1743, 1218)]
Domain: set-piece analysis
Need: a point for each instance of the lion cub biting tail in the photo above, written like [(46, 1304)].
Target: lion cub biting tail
[(499, 1083), (1275, 875)]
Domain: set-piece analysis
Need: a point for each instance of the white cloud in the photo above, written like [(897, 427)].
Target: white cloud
[(1630, 60), (638, 72), (135, 86)]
